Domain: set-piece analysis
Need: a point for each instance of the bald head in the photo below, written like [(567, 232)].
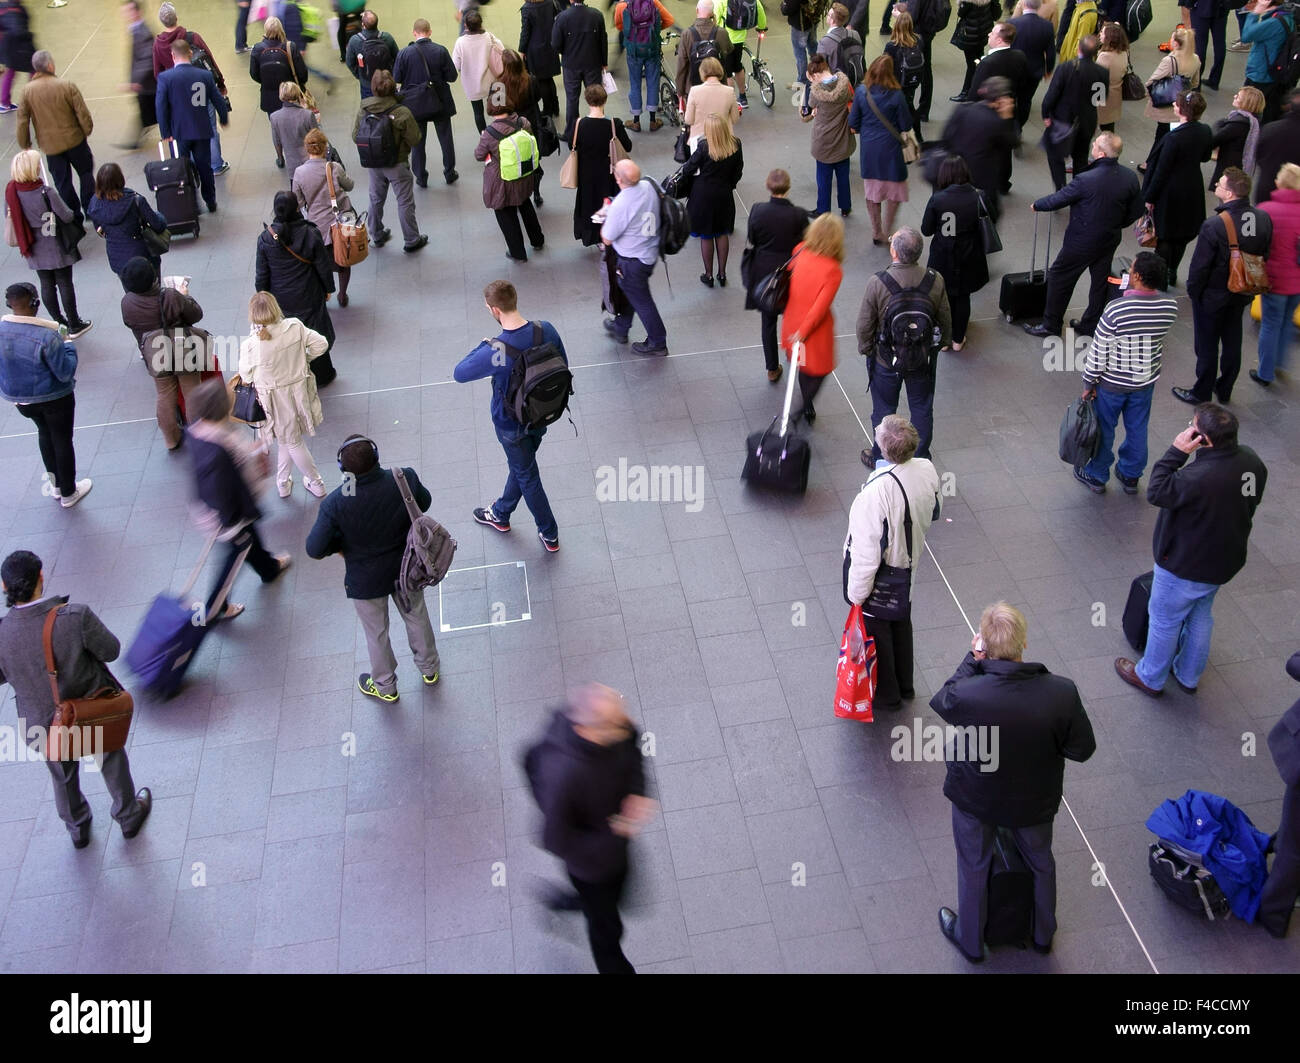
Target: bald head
[(627, 173), (597, 714)]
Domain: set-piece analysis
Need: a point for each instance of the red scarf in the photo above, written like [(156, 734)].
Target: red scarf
[(22, 231)]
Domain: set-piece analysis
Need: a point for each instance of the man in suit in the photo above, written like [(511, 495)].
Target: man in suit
[(929, 20), (425, 62), (1216, 312), (163, 58), (580, 37), (1210, 18), (184, 93), (1017, 725), (774, 229), (1278, 899), (1103, 200), (1077, 89), (984, 133), (142, 81), (1002, 60), (1034, 38)]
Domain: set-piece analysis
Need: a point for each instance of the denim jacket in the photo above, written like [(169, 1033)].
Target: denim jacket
[(36, 363)]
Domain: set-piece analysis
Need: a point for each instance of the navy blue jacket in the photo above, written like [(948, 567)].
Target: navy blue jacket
[(120, 220), (1034, 37), (479, 363), (178, 115), (1102, 200)]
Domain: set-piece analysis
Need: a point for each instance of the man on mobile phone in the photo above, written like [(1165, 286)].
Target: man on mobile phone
[(1206, 510)]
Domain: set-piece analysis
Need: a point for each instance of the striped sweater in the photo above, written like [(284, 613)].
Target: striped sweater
[(1129, 340)]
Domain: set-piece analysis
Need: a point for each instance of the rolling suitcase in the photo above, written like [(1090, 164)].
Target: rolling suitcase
[(172, 632), (1010, 918), (1024, 295), (1135, 611), (175, 186), (776, 457)]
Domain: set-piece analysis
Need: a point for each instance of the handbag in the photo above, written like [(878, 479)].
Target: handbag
[(1080, 433), (772, 293), (608, 83), (67, 234), (910, 145), (349, 240), (171, 349), (855, 674), (91, 725), (569, 169), (891, 594), (245, 405), (11, 237), (1144, 231), (989, 238), (1166, 89), (1247, 274), (747, 265), (617, 153), (681, 146), (422, 100), (156, 243), (1131, 88), (678, 185)]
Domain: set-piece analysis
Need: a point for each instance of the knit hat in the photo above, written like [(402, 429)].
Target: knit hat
[(139, 275)]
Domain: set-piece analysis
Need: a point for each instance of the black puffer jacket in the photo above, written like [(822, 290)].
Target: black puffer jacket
[(974, 20), (293, 265)]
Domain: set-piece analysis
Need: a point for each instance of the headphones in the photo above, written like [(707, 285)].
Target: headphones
[(356, 439)]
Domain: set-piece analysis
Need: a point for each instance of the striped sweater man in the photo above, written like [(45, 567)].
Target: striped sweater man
[(1129, 341)]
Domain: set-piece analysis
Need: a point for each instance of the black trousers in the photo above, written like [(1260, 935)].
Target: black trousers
[(1216, 332), (77, 158), (1204, 29), (1272, 100), (56, 287), (246, 546), (1282, 886), (959, 305), (768, 328), (550, 99), (1172, 252), (604, 925), (442, 127), (1064, 274), (508, 220), (480, 122), (973, 57), (894, 669), (927, 81), (54, 436), (574, 82), (1076, 150)]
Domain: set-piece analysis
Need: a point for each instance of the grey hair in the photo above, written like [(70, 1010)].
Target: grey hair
[(167, 15), (907, 245), (897, 438), (43, 61), (1031, 5)]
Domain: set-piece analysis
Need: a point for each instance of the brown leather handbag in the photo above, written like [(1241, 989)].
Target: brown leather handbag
[(349, 240), (1247, 274), (82, 727)]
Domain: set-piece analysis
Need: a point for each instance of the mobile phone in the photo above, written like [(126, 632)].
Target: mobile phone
[(979, 643)]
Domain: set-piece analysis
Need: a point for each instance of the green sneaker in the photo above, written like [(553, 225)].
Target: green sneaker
[(429, 680), (367, 686)]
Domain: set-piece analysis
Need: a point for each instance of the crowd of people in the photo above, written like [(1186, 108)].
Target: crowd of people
[(912, 313)]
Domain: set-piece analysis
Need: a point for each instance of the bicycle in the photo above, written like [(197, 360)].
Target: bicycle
[(759, 73), (669, 103)]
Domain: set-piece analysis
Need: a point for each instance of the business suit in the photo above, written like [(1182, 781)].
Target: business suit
[(1072, 99), (1174, 187), (1012, 65), (774, 229), (184, 94), (1102, 200), (421, 61), (1035, 39), (1206, 24), (1277, 901)]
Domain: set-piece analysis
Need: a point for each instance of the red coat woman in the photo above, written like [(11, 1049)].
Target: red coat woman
[(814, 280)]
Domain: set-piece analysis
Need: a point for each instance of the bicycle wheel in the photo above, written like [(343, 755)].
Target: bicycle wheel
[(766, 86), (668, 101)]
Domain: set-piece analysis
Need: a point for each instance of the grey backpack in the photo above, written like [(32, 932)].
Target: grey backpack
[(429, 548)]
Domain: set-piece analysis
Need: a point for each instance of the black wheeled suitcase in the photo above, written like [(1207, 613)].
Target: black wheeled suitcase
[(175, 186), (1010, 918), (776, 457), (1135, 611), (1024, 295)]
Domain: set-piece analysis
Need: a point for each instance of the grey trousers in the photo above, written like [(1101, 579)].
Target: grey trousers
[(419, 633), (403, 182), (974, 841), (72, 805)]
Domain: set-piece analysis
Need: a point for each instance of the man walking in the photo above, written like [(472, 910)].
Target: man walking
[(390, 132), (496, 358), (911, 297), (185, 93), (1206, 512), (201, 55), (62, 123), (1028, 723), (930, 17), (1070, 105), (370, 51), (589, 782), (631, 227), (1216, 310), (1121, 370), (984, 133), (1103, 199), (580, 38), (1002, 60), (142, 81), (82, 646), (424, 70), (366, 520)]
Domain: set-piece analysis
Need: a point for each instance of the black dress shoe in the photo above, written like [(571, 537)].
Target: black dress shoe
[(422, 182), (1259, 379), (1039, 330), (948, 928), (959, 98), (1184, 395), (451, 177), (146, 802), (1079, 327), (82, 838), (1042, 950)]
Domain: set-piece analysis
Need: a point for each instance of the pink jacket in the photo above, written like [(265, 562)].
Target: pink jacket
[(1283, 209)]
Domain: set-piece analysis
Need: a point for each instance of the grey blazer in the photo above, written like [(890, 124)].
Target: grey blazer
[(289, 125), (313, 193)]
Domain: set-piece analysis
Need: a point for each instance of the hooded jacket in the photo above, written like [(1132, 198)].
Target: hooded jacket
[(36, 363), (163, 59), (120, 220)]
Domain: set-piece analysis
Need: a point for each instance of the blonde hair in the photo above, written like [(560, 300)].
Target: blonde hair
[(1186, 43), (289, 92), (903, 32), (825, 236), (722, 142), (1002, 627), (1252, 100), (26, 166), (263, 309), (711, 68), (273, 29), (1288, 176)]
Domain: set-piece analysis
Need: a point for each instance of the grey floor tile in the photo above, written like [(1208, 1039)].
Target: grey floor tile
[(490, 953), (742, 950), (382, 913), (837, 952), (461, 899), (298, 895), (708, 840), (211, 930)]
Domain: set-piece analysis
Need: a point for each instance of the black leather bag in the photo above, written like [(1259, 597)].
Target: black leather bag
[(1166, 90), (772, 293), (1080, 433), (681, 151), (246, 406), (1131, 88), (68, 234), (989, 238), (891, 594), (678, 185)]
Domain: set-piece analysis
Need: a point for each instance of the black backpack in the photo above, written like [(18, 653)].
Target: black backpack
[(850, 59), (540, 384), (910, 63), (374, 54), (741, 14), (703, 48), (674, 222), (1285, 66), (377, 140), (909, 332), (201, 59), (273, 60)]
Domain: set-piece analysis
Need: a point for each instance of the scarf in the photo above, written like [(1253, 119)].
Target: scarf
[(1252, 139), (22, 231)]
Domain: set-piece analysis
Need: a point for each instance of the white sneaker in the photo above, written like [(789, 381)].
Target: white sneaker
[(83, 489), (316, 486), (1239, 46), (284, 487), (48, 488)]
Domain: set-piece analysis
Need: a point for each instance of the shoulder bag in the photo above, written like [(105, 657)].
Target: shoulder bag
[(67, 234), (349, 239), (245, 406), (308, 100), (891, 594), (81, 727), (1247, 274), (682, 146), (1131, 88), (569, 168), (911, 146), (422, 100), (772, 293), (156, 243), (1166, 89), (989, 238), (617, 153), (171, 349)]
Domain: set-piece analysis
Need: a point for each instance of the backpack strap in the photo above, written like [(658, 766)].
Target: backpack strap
[(891, 285), (907, 519), (927, 283), (537, 334)]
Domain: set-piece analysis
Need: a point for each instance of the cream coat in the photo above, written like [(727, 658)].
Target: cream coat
[(279, 369), (1116, 64)]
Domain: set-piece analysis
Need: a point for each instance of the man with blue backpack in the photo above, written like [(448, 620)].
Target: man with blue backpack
[(641, 23), (738, 17)]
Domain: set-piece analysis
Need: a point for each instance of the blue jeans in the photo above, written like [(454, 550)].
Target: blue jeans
[(525, 479), (1180, 624), (636, 68), (840, 171), (802, 50), (215, 144), (1276, 312), (886, 387), (241, 25), (634, 279), (1135, 406)]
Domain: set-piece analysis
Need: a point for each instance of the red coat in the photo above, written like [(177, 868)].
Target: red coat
[(814, 280)]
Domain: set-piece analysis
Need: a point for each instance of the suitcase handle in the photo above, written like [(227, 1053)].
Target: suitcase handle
[(198, 565), (163, 146), (796, 359), (1047, 251)]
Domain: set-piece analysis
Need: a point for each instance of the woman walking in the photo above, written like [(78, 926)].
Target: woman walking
[(289, 125), (523, 97), (832, 141), (907, 51), (17, 46), (1236, 134), (775, 227), (951, 220), (28, 203), (1181, 59), (275, 62), (293, 265), (477, 55), (880, 117), (814, 279), (1114, 56), (276, 359), (120, 216), (316, 183), (717, 164), (591, 136), (509, 200), (536, 19), (975, 18), (1174, 189)]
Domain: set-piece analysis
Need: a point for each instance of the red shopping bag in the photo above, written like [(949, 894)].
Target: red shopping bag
[(855, 675)]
